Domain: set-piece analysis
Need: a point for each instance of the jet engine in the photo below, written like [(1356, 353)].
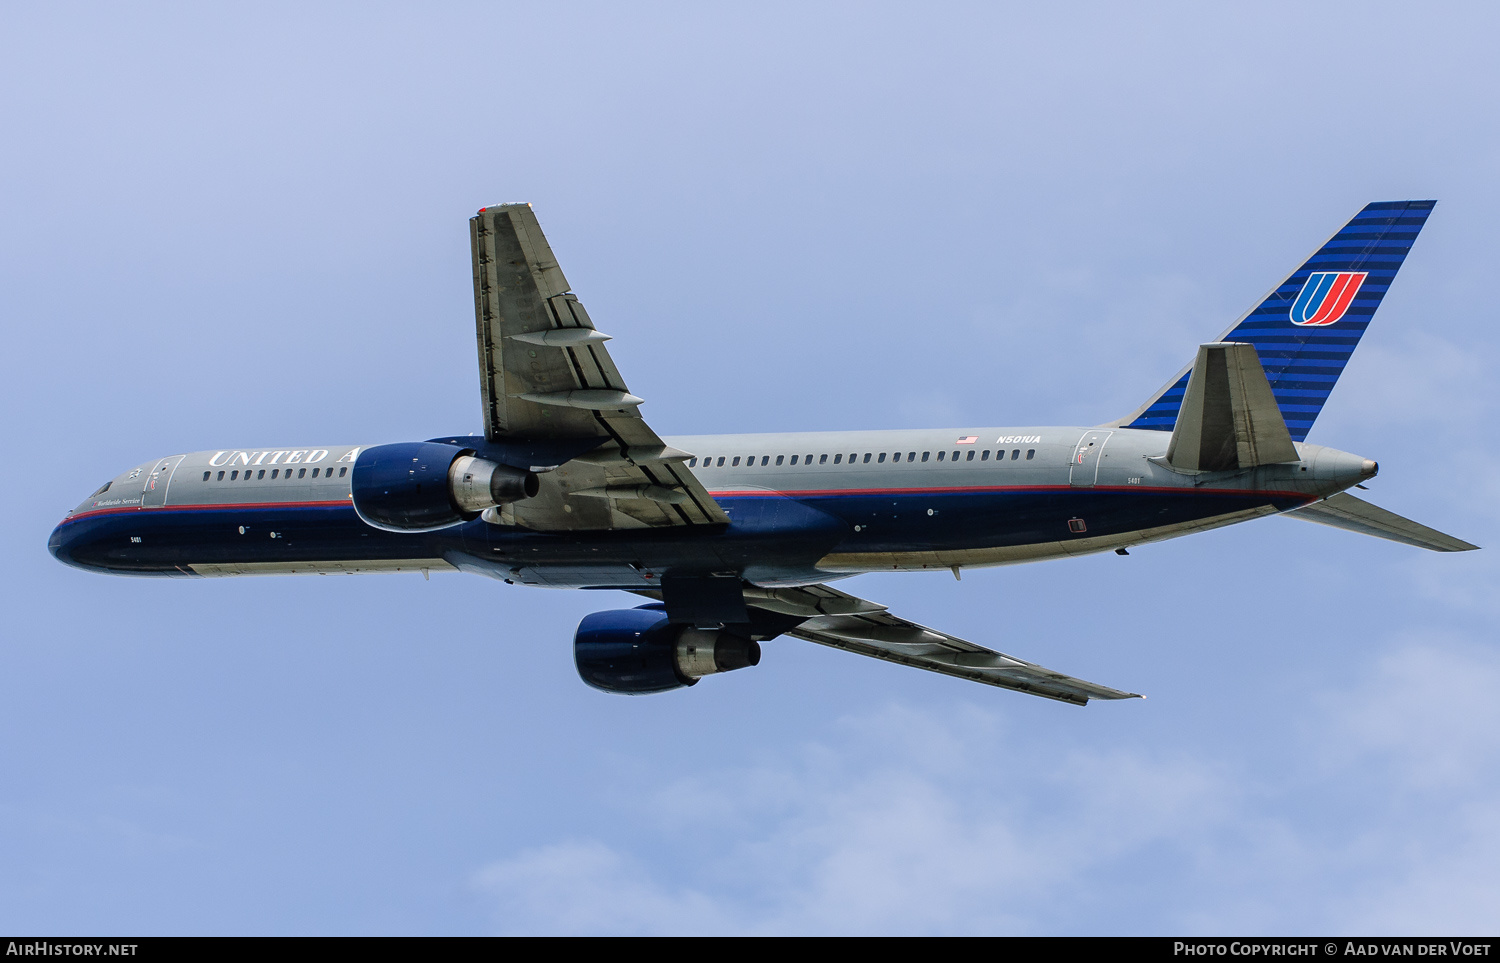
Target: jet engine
[(422, 486), (636, 651)]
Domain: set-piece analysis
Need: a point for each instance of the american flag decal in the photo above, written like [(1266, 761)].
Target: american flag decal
[(967, 440)]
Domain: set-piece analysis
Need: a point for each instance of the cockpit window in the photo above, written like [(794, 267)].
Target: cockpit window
[(102, 489)]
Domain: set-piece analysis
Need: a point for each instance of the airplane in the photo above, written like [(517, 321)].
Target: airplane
[(734, 539)]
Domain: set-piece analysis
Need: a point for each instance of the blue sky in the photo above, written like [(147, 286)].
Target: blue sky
[(247, 227)]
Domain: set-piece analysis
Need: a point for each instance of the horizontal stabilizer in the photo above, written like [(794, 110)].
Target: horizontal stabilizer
[(1229, 418), (1345, 511)]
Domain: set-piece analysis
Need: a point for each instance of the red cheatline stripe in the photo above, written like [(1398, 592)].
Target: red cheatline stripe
[(203, 508), (810, 493), (755, 493)]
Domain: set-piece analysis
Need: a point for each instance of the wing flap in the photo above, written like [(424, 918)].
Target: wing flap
[(842, 621), (925, 648), (1357, 515), (546, 375)]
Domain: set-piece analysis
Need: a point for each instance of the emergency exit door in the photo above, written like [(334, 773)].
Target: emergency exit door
[(158, 480), (1085, 468)]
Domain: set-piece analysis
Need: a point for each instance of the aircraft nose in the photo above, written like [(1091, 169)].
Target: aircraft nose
[(59, 544), (73, 543)]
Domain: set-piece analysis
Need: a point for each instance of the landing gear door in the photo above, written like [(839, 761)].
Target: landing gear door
[(158, 480), (1084, 471)]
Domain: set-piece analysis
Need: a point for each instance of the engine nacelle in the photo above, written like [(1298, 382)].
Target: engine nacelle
[(636, 651), (422, 486)]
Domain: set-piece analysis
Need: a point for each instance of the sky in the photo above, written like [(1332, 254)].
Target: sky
[(246, 225)]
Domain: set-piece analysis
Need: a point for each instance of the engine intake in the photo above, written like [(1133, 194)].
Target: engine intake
[(637, 651), (423, 486)]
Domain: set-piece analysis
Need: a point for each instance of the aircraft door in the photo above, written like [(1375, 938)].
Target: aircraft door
[(1084, 471), (158, 479)]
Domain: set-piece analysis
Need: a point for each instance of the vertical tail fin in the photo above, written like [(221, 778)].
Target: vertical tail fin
[(1306, 329)]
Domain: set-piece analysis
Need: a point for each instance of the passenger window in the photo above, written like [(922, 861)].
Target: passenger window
[(692, 463), (925, 454), (342, 469), (273, 472), (765, 460), (779, 458), (315, 473), (807, 459), (838, 458), (941, 454), (261, 474), (881, 459), (721, 461), (221, 477), (896, 456), (206, 474), (233, 475), (1030, 453), (985, 455), (736, 461), (1015, 455), (867, 458), (955, 457), (911, 456), (822, 459), (970, 456), (794, 460), (302, 472)]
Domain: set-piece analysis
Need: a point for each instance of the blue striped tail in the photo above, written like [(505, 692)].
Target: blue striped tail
[(1307, 328)]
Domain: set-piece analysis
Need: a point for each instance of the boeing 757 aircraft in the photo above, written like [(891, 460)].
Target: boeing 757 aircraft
[(735, 538)]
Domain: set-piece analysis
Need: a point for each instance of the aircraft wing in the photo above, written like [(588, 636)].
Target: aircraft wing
[(545, 376), (843, 621)]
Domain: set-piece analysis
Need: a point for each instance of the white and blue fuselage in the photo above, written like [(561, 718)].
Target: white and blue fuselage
[(734, 538), (803, 508)]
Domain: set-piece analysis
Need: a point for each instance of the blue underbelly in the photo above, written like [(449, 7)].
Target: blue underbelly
[(765, 530)]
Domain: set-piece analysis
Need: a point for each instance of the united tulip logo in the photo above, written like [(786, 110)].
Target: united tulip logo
[(1326, 297)]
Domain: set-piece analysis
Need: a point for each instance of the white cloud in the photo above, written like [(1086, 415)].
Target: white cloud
[(911, 823), (586, 888), (1427, 722), (1427, 710), (1385, 817)]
